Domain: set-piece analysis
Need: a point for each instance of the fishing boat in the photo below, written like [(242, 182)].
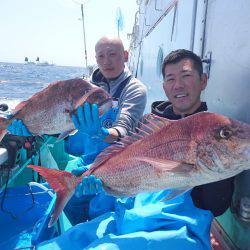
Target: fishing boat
[(218, 32), (26, 61), (42, 63)]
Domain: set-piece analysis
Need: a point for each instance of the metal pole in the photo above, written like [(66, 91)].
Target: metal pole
[(118, 29), (84, 37)]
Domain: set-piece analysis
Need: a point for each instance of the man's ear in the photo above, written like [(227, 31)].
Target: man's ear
[(126, 55), (204, 79)]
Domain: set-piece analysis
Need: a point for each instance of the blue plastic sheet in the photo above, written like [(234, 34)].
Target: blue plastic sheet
[(143, 222), (24, 217)]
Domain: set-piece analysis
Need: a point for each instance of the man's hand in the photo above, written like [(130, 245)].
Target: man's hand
[(89, 186), (18, 128), (87, 120), (112, 135)]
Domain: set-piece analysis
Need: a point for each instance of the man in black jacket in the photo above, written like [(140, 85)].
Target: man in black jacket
[(183, 83)]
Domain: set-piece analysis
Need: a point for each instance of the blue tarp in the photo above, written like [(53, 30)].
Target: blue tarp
[(24, 216), (143, 222)]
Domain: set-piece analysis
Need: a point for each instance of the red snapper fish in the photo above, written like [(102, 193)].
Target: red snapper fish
[(49, 111), (163, 154)]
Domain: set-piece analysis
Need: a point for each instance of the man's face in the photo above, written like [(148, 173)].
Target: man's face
[(183, 85), (110, 59)]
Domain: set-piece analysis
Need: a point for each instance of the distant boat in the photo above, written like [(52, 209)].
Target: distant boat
[(42, 63), (26, 61)]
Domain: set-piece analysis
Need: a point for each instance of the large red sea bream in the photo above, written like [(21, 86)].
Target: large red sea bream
[(202, 148), (49, 111)]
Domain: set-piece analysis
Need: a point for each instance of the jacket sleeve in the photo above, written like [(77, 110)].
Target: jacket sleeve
[(216, 196), (131, 107)]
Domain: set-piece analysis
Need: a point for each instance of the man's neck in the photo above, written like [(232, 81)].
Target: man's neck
[(187, 112), (169, 112), (115, 78)]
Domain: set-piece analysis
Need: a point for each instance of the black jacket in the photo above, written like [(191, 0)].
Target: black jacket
[(216, 196)]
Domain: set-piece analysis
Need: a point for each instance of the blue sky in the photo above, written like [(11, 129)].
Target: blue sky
[(51, 29)]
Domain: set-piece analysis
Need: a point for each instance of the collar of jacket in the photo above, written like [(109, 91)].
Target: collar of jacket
[(97, 77), (165, 109)]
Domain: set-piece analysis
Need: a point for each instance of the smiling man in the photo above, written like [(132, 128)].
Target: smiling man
[(183, 82)]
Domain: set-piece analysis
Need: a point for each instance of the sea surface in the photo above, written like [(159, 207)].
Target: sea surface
[(20, 81)]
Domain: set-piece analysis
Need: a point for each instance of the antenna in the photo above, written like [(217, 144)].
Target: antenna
[(84, 37)]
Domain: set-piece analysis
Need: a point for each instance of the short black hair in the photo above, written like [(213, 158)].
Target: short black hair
[(177, 55)]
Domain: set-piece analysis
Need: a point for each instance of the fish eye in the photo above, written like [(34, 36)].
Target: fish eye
[(225, 133)]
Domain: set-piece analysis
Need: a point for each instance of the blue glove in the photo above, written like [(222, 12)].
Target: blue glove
[(80, 165), (89, 158), (88, 143), (79, 170), (89, 185), (88, 122), (18, 128)]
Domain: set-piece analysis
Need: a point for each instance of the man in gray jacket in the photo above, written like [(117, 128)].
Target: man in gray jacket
[(94, 133), (129, 101)]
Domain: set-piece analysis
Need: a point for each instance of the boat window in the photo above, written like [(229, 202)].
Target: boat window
[(159, 61)]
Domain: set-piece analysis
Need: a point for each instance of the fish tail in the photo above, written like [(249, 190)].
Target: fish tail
[(63, 183), (3, 130)]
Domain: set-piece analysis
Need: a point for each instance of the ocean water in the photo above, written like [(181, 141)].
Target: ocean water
[(20, 81)]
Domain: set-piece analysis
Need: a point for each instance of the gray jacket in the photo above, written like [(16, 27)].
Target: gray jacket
[(132, 100)]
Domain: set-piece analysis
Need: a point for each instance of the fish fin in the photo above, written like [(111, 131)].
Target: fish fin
[(175, 192), (61, 201), (63, 135), (154, 122), (155, 118), (106, 154), (167, 165), (84, 98), (63, 184), (149, 124), (160, 165), (19, 107)]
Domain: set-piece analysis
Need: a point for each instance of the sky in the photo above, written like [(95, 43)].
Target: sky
[(53, 30)]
